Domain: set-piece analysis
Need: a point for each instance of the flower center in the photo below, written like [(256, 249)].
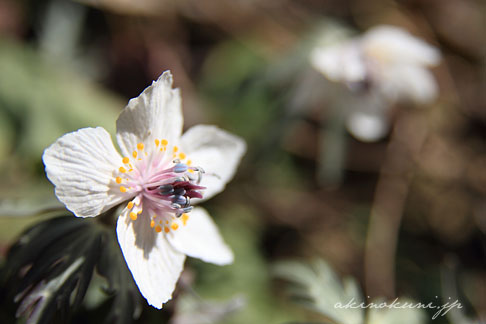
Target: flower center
[(163, 182)]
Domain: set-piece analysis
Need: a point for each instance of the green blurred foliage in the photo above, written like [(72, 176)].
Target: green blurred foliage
[(248, 276), (232, 80), (41, 100)]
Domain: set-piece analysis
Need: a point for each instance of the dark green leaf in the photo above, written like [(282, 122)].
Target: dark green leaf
[(49, 270)]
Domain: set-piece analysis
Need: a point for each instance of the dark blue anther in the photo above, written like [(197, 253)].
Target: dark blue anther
[(188, 202), (180, 200), (179, 191), (180, 167), (166, 189)]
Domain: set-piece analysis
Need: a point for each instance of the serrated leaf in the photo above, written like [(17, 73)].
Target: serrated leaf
[(35, 240), (49, 269), (191, 309), (37, 304), (319, 288), (396, 315), (126, 305)]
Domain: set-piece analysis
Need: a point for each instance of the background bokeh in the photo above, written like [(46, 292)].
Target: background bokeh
[(404, 216)]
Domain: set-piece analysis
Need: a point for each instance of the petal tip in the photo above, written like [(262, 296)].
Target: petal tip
[(165, 77), (230, 259)]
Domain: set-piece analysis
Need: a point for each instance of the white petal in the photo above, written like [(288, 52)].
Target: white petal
[(217, 152), (340, 63), (367, 127), (154, 114), (153, 262), (410, 83), (200, 238), (81, 165), (366, 119), (393, 44)]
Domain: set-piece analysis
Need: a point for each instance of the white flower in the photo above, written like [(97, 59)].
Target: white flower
[(385, 65), (160, 174), (386, 58)]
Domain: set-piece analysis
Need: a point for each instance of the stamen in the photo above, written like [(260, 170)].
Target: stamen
[(180, 167), (179, 192), (191, 176), (184, 219), (164, 180), (179, 200), (187, 209), (199, 174), (166, 189), (184, 210)]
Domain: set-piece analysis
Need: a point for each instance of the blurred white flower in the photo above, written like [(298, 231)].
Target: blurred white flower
[(160, 174), (385, 65)]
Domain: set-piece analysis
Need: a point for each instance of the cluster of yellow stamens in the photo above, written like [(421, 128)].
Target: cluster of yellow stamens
[(123, 170), (157, 223), (168, 226), (140, 146)]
